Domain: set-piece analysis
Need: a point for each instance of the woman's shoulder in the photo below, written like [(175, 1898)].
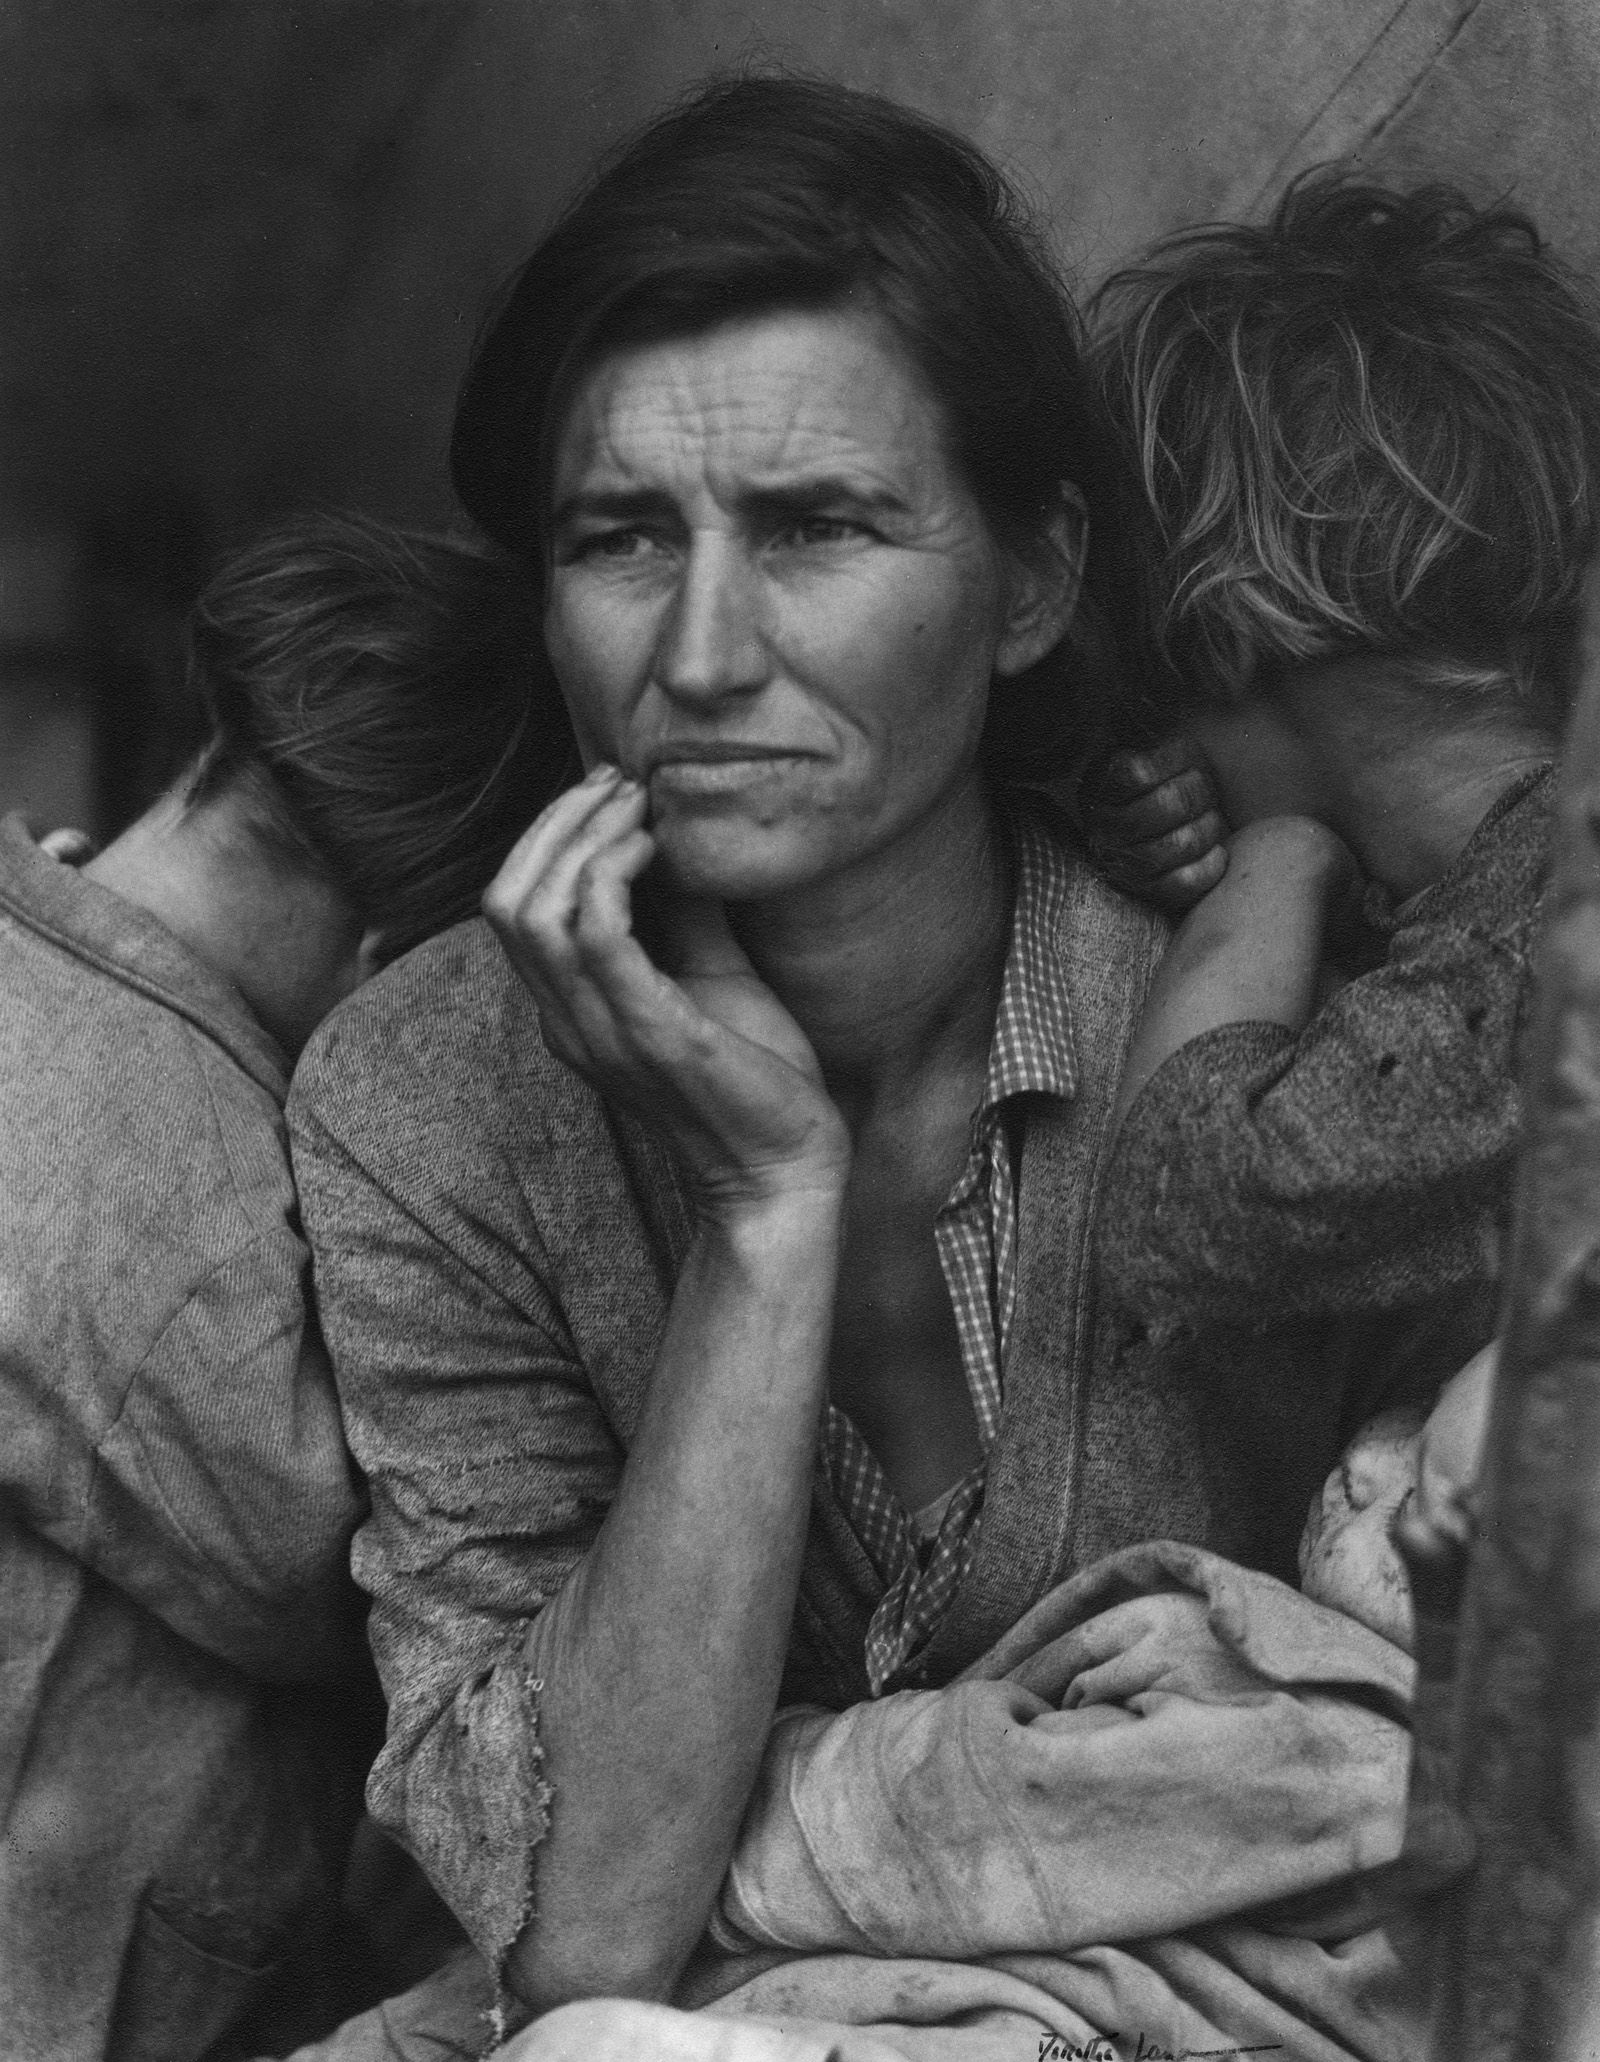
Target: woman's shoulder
[(444, 1043), (435, 1140)]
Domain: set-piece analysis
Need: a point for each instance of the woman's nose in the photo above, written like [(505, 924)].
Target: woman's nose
[(711, 639)]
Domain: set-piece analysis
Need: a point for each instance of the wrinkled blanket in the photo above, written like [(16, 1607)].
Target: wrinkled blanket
[(1162, 1817)]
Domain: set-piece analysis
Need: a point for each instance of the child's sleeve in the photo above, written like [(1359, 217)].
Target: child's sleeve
[(1359, 1165)]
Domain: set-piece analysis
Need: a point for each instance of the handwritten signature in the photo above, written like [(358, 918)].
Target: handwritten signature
[(1102, 2047)]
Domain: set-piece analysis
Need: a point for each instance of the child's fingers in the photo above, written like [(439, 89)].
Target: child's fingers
[(1185, 798), (1179, 890), (1178, 845), (1127, 775)]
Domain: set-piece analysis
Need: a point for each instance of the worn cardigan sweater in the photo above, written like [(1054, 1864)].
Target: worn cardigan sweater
[(495, 1252)]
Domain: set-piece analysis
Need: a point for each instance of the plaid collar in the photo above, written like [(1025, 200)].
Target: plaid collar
[(1032, 1048)]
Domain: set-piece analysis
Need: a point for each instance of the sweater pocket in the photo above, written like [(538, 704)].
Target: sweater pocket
[(175, 2000)]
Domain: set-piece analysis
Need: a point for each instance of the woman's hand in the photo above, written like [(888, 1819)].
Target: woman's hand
[(707, 1054), (661, 1655), (1155, 826)]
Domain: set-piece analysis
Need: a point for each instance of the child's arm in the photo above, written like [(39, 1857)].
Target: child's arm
[(1251, 951), (1358, 1165)]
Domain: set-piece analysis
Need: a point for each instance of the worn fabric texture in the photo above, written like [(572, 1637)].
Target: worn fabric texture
[(495, 1256), (1264, 1179), (1021, 1810), (177, 1624), (448, 2017), (1162, 1816)]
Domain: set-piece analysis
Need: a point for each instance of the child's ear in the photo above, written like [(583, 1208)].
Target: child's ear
[(1045, 581)]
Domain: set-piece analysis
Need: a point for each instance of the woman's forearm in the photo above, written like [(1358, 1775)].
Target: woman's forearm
[(661, 1658)]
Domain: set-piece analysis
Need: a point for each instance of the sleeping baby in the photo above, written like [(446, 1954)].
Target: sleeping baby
[(1406, 1476)]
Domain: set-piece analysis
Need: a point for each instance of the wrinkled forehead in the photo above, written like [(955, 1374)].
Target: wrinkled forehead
[(770, 397)]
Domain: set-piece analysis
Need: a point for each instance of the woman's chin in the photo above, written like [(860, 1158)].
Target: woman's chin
[(733, 862)]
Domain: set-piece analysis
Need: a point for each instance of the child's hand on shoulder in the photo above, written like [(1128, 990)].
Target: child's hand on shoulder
[(1154, 823)]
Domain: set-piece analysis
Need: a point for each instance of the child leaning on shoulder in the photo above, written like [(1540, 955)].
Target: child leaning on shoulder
[(1367, 437)]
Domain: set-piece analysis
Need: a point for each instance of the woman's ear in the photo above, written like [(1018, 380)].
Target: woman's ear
[(1045, 582), (370, 955)]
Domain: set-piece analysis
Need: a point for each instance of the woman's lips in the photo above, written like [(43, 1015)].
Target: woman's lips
[(724, 770)]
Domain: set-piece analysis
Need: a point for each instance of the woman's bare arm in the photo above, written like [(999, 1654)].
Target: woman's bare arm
[(662, 1654)]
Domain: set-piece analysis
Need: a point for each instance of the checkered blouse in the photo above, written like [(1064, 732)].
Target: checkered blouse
[(976, 1233)]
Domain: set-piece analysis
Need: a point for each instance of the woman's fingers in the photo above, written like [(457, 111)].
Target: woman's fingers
[(565, 814), (532, 905), (531, 901), (711, 1055)]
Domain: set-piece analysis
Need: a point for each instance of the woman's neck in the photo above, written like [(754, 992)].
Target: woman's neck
[(894, 968)]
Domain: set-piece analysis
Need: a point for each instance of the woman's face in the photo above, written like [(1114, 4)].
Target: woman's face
[(773, 600)]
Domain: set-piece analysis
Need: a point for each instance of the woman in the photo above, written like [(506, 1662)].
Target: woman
[(781, 1109), (184, 1708)]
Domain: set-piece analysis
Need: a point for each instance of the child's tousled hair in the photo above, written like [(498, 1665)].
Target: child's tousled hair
[(372, 692), (1370, 426)]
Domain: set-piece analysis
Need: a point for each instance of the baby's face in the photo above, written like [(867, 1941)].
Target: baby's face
[(1347, 1557), (1407, 1479)]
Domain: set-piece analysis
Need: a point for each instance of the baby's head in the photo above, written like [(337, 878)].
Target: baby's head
[(1406, 1478), (1369, 428)]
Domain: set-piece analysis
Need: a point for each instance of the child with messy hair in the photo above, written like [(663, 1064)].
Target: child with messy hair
[(1367, 436), (186, 1705)]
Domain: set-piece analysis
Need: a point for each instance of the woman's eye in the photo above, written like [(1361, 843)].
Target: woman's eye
[(618, 544), (817, 529)]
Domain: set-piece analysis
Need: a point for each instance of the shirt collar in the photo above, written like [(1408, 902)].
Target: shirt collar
[(1032, 1049), (125, 942)]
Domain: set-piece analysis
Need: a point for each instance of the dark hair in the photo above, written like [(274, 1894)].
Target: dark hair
[(1369, 426), (771, 193), (372, 693)]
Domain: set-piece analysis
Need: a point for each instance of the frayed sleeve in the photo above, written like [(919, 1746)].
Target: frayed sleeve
[(490, 1467)]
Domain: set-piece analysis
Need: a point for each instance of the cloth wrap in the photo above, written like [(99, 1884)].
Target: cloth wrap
[(1161, 1817)]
